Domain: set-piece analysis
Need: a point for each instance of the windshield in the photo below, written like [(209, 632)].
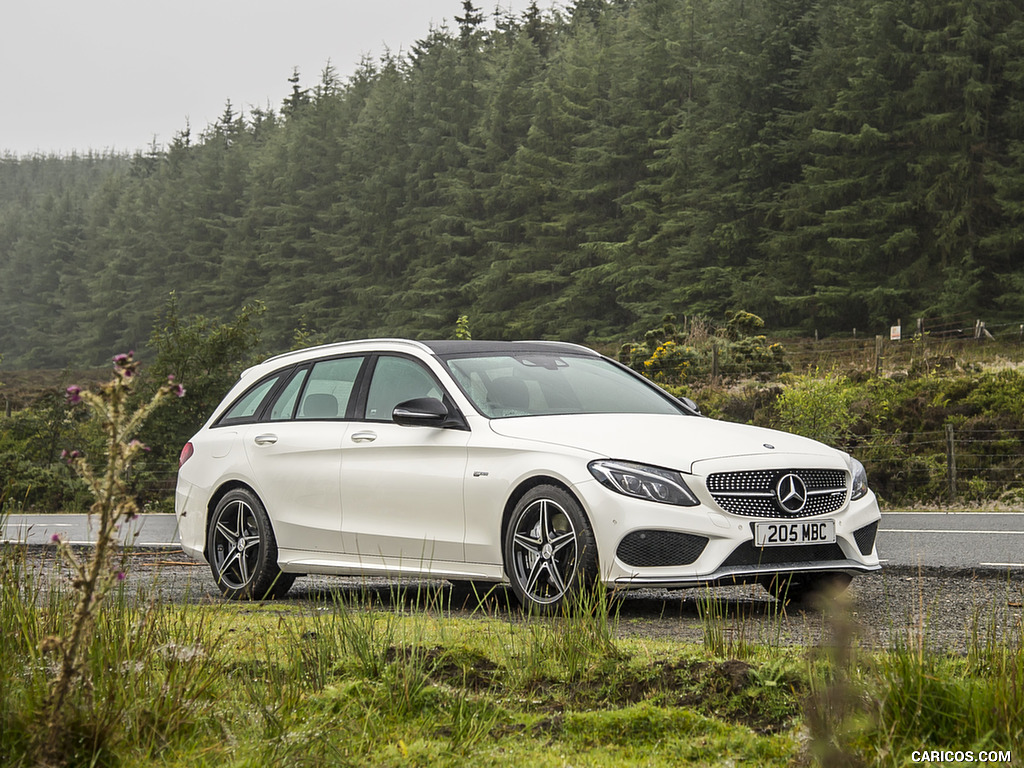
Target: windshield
[(503, 386)]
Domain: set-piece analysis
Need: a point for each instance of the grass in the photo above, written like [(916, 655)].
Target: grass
[(344, 680)]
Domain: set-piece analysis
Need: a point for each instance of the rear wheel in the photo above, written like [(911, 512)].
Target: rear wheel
[(243, 551), (550, 552)]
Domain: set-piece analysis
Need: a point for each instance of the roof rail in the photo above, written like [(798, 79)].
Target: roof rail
[(343, 344)]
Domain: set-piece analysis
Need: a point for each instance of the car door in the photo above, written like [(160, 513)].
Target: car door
[(295, 455), (402, 487)]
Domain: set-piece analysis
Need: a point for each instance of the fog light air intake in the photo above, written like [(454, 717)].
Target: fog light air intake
[(660, 549)]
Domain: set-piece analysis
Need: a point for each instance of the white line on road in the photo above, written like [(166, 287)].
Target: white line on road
[(920, 514), (942, 530), (1004, 565)]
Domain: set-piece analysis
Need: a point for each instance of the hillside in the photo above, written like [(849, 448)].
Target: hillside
[(825, 164)]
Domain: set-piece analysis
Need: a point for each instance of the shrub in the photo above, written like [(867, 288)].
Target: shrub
[(671, 356), (208, 354), (819, 407)]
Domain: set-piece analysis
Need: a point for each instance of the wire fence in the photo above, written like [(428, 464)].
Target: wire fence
[(955, 466), (154, 488), (925, 344)]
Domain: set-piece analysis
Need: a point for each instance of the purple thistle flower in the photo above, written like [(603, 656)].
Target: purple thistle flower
[(120, 575), (125, 364), (73, 394), (178, 391), (55, 538)]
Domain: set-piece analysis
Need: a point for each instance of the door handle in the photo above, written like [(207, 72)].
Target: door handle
[(364, 437), (265, 439)]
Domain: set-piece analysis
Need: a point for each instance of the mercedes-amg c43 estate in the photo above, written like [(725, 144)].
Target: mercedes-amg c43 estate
[(540, 464)]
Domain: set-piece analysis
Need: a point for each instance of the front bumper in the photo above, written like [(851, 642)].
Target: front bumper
[(645, 544)]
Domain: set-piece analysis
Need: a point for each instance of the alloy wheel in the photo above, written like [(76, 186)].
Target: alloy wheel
[(236, 544), (545, 548)]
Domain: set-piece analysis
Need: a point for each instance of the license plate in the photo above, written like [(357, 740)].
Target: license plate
[(786, 533)]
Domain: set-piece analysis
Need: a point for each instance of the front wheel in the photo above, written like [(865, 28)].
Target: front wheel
[(243, 551), (550, 551)]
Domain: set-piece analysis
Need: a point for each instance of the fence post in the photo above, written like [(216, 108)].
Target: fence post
[(878, 355), (951, 461)]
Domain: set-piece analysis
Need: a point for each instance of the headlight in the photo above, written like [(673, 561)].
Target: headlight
[(860, 480), (643, 482)]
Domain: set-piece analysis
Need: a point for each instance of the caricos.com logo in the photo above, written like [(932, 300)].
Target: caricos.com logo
[(960, 756)]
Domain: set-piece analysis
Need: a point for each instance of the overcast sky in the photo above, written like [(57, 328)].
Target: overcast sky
[(116, 74)]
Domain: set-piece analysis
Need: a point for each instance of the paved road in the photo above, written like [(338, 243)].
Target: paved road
[(907, 539), (148, 530), (991, 540)]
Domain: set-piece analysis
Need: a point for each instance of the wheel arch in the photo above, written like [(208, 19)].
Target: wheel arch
[(211, 505), (532, 482)]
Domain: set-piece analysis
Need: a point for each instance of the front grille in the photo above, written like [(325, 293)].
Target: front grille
[(865, 538), (748, 554), (752, 493), (657, 549)]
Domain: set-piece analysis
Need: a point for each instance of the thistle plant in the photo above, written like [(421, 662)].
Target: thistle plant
[(94, 576)]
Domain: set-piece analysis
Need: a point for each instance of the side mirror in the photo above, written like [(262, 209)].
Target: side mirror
[(420, 412), (690, 405)]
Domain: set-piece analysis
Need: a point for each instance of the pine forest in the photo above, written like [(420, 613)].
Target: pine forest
[(573, 173)]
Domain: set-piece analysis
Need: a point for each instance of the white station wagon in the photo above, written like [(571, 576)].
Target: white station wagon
[(543, 465)]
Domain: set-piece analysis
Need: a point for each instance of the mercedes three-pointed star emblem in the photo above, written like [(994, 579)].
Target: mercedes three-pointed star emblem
[(791, 493)]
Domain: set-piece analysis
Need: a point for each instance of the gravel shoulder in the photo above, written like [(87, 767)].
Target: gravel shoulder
[(898, 605)]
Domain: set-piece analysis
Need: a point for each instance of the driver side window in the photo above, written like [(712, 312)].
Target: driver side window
[(395, 380)]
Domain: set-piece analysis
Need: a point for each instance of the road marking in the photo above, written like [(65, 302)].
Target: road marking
[(125, 544), (943, 530), (894, 512), (1004, 565)]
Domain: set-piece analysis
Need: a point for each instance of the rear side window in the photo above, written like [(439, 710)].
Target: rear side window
[(284, 407), (248, 405), (329, 389)]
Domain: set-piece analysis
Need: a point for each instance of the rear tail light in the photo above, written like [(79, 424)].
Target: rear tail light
[(186, 454)]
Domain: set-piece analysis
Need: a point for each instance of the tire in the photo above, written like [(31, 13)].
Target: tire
[(550, 551), (806, 590), (243, 551)]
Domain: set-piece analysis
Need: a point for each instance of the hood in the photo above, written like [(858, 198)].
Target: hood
[(674, 442)]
